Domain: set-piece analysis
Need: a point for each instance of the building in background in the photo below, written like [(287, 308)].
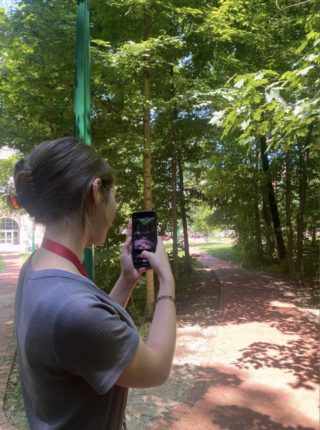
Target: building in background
[(18, 232)]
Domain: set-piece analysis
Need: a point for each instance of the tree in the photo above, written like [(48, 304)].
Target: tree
[(36, 82), (276, 106), (6, 181), (162, 70)]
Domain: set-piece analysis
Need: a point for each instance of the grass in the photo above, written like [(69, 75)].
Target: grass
[(231, 253), (13, 403), (24, 255), (1, 263), (224, 251)]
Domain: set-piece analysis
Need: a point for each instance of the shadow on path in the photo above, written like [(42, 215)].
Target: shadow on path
[(8, 282), (246, 357), (260, 368)]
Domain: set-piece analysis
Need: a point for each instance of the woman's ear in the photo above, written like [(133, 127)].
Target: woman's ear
[(95, 190)]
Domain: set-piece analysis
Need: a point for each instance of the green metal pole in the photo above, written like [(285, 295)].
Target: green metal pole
[(82, 117)]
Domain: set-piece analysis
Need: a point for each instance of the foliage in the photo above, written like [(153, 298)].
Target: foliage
[(36, 82), (1, 264), (6, 181), (232, 71), (283, 106), (13, 401), (224, 251), (201, 219), (208, 61)]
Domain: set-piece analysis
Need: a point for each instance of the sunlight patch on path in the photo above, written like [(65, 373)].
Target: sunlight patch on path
[(232, 339)]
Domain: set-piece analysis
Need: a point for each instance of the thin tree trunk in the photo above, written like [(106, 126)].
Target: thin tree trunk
[(281, 249), (174, 203), (269, 233), (258, 235), (288, 214), (268, 230), (147, 162), (258, 232), (187, 261), (174, 116), (303, 180), (147, 158)]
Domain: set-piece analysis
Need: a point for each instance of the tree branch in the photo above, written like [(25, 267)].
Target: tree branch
[(293, 5)]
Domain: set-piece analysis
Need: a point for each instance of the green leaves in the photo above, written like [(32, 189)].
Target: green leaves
[(222, 74), (265, 103), (37, 74)]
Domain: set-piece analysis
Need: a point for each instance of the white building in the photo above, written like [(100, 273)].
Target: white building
[(18, 232)]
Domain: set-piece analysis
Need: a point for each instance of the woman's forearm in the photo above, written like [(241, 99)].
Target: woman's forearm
[(162, 334), (122, 290)]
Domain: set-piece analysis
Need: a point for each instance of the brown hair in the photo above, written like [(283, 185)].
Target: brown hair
[(55, 180)]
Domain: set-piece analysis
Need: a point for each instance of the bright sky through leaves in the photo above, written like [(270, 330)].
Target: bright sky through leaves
[(7, 4)]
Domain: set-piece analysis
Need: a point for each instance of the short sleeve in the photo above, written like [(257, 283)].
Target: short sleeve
[(90, 339)]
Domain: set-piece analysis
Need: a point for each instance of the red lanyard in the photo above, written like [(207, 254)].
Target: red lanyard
[(64, 252)]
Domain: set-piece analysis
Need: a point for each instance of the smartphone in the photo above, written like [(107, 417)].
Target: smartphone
[(144, 236)]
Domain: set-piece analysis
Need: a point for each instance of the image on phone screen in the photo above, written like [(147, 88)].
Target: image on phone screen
[(144, 236)]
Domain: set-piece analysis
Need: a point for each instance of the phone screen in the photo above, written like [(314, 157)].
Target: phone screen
[(144, 236)]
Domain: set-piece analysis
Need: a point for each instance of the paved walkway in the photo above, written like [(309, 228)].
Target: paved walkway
[(8, 280), (261, 369)]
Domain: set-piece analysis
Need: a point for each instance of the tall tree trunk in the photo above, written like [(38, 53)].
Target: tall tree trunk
[(187, 261), (288, 213), (174, 199), (281, 249), (147, 157), (258, 232), (147, 161), (258, 235), (303, 180), (269, 232), (174, 214)]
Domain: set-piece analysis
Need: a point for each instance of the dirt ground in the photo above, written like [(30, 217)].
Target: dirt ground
[(247, 357), (196, 306)]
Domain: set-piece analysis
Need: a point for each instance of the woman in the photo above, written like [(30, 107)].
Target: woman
[(78, 349)]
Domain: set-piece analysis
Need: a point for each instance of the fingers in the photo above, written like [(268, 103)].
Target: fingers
[(128, 242), (129, 228), (158, 247), (145, 254)]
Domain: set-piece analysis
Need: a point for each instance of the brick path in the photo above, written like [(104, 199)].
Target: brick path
[(261, 371), (8, 279)]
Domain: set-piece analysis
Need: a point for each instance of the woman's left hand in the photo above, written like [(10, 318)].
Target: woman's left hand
[(128, 272)]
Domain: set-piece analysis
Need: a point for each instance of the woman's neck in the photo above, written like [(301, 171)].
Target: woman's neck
[(67, 235), (69, 239)]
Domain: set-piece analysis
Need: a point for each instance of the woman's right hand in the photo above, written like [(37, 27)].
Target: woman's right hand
[(159, 261), (152, 361)]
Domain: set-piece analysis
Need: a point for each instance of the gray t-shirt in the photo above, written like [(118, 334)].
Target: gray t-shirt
[(74, 341)]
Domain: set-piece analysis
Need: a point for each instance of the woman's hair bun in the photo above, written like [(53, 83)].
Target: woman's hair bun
[(26, 192), (55, 181)]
